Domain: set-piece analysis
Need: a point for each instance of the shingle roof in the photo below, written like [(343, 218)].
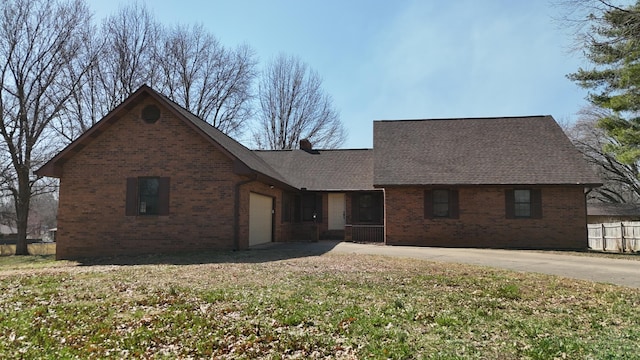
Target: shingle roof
[(493, 151), (604, 209), (477, 151), (323, 169)]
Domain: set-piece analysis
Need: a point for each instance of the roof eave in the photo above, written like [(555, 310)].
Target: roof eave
[(342, 189), (589, 184)]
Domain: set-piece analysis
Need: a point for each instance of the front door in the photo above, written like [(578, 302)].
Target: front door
[(260, 219), (336, 211)]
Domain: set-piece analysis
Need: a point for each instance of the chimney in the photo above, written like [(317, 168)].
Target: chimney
[(305, 145)]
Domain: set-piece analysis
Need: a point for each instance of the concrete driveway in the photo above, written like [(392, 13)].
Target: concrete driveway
[(614, 271)]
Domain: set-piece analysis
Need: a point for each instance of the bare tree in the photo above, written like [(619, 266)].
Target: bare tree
[(206, 78), (87, 104), (127, 48), (39, 40), (293, 106), (46, 206), (128, 59), (621, 184), (584, 17), (187, 64)]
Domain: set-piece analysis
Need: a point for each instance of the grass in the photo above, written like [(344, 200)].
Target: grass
[(251, 304)]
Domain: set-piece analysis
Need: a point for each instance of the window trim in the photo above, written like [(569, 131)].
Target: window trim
[(535, 200), (453, 199), (132, 206)]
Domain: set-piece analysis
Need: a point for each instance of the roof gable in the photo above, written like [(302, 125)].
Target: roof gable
[(246, 161), (477, 151)]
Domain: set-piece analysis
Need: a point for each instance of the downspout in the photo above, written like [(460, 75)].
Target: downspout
[(236, 217), (586, 216), (384, 216)]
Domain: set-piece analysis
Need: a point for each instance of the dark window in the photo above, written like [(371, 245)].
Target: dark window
[(312, 207), (287, 206), (148, 193), (523, 203), (297, 209), (147, 196), (441, 203), (150, 114), (367, 208)]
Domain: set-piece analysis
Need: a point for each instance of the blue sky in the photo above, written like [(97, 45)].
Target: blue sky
[(405, 59)]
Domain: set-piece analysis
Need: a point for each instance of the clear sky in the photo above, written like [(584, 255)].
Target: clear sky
[(405, 59)]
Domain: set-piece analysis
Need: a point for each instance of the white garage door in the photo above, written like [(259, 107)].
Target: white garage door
[(260, 222)]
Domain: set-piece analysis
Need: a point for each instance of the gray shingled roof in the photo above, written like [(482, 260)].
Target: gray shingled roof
[(323, 169), (604, 209), (477, 151)]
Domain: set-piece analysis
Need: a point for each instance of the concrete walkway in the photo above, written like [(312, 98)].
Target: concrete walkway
[(614, 271), (605, 270)]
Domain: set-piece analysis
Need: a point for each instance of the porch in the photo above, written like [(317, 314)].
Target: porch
[(364, 233)]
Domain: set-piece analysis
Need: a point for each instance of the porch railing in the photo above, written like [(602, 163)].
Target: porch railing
[(365, 233)]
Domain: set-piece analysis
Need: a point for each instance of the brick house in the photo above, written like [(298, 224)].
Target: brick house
[(152, 177), (515, 182)]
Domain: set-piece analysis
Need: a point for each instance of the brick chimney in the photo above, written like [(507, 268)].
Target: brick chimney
[(305, 145)]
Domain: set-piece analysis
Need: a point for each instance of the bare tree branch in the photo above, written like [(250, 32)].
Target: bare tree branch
[(621, 184), (39, 43), (207, 79), (294, 107)]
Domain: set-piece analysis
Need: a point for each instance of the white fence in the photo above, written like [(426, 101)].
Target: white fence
[(620, 237)]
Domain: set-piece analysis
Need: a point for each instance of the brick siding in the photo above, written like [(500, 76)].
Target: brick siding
[(91, 218), (483, 223), (202, 213)]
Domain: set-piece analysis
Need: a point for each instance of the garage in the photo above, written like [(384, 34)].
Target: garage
[(260, 219)]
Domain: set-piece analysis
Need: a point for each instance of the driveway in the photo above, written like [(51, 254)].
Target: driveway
[(614, 271)]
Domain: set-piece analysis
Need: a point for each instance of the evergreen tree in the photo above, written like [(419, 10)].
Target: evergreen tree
[(612, 45)]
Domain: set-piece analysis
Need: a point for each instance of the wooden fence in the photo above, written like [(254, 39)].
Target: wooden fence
[(34, 249), (618, 237)]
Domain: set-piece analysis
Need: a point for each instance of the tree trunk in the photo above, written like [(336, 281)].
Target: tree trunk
[(22, 211)]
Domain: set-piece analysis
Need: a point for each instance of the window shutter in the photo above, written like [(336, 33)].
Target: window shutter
[(131, 207), (536, 204), (163, 196), (428, 205), (454, 207), (510, 204)]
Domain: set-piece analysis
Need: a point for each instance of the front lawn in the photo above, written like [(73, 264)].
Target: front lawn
[(249, 305)]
